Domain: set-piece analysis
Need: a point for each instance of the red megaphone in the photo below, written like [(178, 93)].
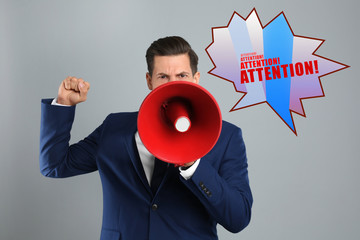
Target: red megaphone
[(179, 122)]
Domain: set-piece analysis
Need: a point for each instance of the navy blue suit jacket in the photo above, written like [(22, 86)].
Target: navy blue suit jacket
[(218, 192)]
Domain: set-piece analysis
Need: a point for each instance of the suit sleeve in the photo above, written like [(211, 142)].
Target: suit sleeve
[(57, 158), (225, 191)]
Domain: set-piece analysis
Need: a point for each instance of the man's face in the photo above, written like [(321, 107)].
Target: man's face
[(171, 68)]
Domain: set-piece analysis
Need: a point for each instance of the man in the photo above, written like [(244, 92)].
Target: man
[(189, 201)]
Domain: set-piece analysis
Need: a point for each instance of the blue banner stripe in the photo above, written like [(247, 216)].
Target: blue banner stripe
[(278, 43)]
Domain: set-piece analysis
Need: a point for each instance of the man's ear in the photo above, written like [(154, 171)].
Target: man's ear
[(148, 81), (197, 77)]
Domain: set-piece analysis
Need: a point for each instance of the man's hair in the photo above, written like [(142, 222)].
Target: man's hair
[(170, 46)]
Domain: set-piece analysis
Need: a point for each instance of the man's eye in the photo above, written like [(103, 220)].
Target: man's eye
[(163, 76), (183, 75)]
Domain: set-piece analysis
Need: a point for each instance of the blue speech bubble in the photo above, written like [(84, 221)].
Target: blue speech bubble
[(269, 64)]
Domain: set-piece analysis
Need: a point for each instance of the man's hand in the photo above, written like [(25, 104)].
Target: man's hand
[(72, 91), (187, 165)]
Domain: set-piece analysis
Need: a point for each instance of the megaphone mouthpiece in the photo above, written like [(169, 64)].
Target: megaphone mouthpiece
[(182, 124)]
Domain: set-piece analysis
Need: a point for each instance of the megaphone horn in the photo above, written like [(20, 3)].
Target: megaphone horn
[(179, 122)]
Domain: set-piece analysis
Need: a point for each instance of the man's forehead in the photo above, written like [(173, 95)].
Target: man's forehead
[(182, 60)]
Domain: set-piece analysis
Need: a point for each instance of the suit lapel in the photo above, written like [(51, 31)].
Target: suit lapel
[(134, 155), (135, 159)]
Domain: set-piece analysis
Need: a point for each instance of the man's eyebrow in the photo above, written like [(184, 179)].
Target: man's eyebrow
[(164, 74), (161, 74), (183, 73)]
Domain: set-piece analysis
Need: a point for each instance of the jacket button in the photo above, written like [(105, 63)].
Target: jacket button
[(154, 207)]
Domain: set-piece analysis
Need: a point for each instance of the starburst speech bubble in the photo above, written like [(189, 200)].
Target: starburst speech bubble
[(269, 64)]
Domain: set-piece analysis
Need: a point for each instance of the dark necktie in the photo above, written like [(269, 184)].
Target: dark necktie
[(158, 174)]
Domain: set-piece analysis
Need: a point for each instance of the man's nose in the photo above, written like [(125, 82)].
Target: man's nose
[(172, 79)]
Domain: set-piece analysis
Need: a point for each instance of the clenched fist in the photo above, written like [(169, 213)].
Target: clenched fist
[(72, 91)]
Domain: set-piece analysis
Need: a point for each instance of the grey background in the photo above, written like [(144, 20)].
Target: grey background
[(304, 187)]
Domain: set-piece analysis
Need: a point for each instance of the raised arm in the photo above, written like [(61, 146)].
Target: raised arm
[(57, 158)]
